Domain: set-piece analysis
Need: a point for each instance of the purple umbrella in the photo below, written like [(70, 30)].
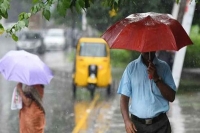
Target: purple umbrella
[(24, 67)]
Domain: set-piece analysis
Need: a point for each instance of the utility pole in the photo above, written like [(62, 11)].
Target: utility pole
[(182, 6), (187, 18), (175, 10), (84, 20)]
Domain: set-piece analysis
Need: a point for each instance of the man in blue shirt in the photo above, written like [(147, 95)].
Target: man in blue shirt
[(149, 98)]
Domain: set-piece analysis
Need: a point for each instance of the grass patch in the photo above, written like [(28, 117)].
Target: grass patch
[(188, 85)]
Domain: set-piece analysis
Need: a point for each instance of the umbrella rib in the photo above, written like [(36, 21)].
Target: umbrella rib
[(129, 35), (116, 36), (175, 46)]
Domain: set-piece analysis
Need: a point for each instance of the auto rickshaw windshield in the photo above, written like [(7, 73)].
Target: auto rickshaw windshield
[(93, 49)]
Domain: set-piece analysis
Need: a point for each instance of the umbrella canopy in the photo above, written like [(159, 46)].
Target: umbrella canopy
[(145, 32), (24, 67)]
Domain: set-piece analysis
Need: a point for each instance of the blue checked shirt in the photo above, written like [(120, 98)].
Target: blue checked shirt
[(146, 100)]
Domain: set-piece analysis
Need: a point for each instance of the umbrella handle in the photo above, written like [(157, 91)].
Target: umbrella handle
[(150, 76)]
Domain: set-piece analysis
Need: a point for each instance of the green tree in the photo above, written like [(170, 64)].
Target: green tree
[(61, 5), (70, 19), (192, 58), (98, 15)]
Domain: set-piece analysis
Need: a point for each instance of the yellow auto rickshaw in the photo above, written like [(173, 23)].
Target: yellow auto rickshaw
[(92, 67)]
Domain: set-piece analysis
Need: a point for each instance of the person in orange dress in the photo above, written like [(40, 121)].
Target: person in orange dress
[(32, 114)]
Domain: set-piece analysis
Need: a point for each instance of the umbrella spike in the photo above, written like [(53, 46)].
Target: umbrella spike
[(150, 76)]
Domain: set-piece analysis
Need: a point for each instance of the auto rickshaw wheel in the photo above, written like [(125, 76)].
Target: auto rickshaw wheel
[(109, 90), (74, 90), (92, 93), (91, 88)]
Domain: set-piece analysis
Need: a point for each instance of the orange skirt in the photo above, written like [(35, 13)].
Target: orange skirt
[(31, 119)]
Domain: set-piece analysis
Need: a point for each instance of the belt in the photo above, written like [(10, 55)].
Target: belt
[(148, 121)]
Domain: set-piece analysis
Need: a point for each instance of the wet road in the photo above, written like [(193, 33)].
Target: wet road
[(184, 115), (64, 114)]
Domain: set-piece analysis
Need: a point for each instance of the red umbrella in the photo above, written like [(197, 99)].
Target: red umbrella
[(145, 32)]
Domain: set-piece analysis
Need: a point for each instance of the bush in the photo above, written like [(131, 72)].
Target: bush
[(120, 58), (192, 57)]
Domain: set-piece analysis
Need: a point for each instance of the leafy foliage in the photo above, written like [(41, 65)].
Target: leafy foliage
[(74, 5), (196, 20), (192, 58), (72, 18), (4, 6), (23, 18), (120, 58), (99, 17)]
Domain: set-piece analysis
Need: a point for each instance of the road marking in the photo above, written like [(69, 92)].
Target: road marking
[(85, 116), (104, 117)]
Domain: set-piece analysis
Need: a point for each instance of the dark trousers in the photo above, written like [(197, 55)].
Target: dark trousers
[(160, 126)]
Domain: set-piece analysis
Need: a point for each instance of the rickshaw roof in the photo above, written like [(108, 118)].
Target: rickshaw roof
[(90, 39)]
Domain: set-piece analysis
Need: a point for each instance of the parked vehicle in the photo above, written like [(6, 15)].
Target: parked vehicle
[(31, 41), (55, 39), (92, 68)]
